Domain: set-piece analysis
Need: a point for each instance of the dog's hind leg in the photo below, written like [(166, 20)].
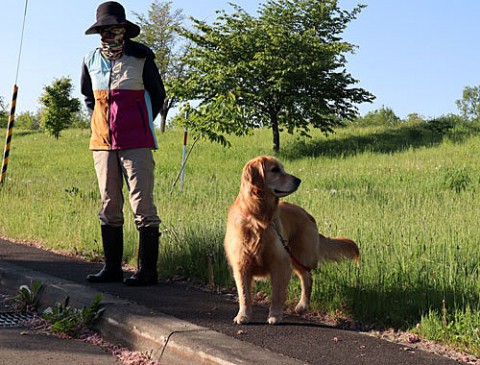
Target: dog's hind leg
[(280, 279), (243, 280), (306, 283)]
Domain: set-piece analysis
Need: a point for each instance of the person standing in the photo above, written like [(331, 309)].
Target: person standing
[(124, 93)]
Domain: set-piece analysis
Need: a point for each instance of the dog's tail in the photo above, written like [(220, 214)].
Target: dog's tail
[(338, 248)]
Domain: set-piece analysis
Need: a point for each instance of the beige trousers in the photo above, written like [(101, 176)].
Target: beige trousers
[(136, 167)]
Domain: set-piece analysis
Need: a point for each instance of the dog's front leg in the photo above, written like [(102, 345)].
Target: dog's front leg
[(243, 280), (280, 278)]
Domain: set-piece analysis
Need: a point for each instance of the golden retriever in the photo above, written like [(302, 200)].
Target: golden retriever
[(268, 238)]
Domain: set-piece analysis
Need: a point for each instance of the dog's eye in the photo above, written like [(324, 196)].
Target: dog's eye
[(275, 169)]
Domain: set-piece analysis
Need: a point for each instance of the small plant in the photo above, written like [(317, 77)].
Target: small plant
[(459, 328), (442, 125), (73, 321), (457, 179), (26, 299)]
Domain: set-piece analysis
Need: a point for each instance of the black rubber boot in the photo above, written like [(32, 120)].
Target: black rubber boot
[(147, 258), (112, 239)]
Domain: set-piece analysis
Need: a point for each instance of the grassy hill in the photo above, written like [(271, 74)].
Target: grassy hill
[(407, 194)]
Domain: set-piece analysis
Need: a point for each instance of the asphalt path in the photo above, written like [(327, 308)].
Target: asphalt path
[(20, 345), (297, 338)]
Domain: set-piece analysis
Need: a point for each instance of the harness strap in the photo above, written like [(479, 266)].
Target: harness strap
[(285, 246)]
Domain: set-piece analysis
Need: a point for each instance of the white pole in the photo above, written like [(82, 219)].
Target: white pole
[(184, 155)]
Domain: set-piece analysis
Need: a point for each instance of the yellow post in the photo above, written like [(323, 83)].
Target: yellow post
[(8, 140)]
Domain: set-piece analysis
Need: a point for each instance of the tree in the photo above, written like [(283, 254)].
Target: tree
[(382, 116), (469, 105), (414, 118), (3, 113), (60, 107), (81, 119), (159, 32), (284, 68), (28, 121)]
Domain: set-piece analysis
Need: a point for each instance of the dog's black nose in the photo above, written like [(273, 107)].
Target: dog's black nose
[(297, 181)]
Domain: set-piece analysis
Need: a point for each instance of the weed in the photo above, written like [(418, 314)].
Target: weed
[(459, 328), (26, 300), (73, 321), (457, 179)]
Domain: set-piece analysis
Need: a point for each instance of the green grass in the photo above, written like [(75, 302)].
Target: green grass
[(408, 196)]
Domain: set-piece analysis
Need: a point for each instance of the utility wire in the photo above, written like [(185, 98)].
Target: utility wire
[(21, 41)]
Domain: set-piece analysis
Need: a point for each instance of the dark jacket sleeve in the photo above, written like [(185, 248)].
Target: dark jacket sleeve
[(151, 77), (86, 89), (154, 85)]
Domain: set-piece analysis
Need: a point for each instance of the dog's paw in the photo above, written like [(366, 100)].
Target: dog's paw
[(301, 308), (274, 319), (241, 319)]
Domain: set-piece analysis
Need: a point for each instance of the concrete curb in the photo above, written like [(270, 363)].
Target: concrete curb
[(168, 339)]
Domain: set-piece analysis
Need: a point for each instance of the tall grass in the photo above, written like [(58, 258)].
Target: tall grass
[(408, 195)]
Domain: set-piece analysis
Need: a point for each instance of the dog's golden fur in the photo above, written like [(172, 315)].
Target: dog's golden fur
[(259, 227)]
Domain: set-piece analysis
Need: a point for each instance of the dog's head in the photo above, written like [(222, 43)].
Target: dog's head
[(266, 174)]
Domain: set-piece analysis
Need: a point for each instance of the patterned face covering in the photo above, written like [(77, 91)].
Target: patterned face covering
[(112, 42)]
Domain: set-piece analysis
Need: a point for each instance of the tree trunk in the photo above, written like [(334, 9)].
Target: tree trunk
[(163, 114), (163, 121), (276, 133)]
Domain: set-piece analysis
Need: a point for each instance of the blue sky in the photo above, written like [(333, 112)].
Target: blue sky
[(415, 56)]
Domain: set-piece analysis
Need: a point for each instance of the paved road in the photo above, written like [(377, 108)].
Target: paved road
[(20, 347), (301, 341), (23, 346)]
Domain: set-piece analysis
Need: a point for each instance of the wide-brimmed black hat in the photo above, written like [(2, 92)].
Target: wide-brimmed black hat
[(113, 13)]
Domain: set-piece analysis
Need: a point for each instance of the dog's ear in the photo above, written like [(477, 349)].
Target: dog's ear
[(254, 174)]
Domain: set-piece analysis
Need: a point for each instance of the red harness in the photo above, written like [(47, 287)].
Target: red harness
[(285, 246)]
